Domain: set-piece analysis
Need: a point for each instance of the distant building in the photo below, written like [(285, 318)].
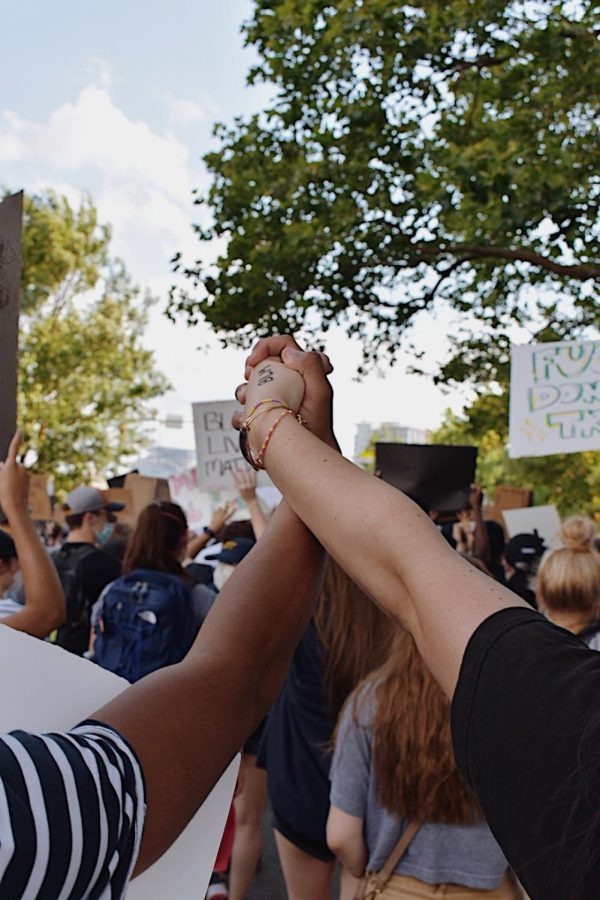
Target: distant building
[(387, 432), (161, 462)]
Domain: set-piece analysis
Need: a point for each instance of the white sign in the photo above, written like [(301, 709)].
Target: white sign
[(218, 446), (52, 690), (543, 519), (196, 504), (554, 398)]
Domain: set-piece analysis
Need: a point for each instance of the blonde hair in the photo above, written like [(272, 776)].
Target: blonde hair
[(569, 577)]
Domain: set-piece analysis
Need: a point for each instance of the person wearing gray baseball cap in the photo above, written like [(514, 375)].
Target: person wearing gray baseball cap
[(83, 567)]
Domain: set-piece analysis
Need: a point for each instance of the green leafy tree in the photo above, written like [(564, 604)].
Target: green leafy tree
[(412, 153), (85, 378), (570, 481)]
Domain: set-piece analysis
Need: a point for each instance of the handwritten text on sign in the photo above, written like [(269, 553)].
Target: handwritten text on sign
[(217, 446), (555, 398)]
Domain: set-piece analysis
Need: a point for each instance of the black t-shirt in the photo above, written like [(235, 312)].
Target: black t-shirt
[(526, 732)]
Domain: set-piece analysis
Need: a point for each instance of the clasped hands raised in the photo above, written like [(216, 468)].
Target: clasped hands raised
[(278, 369)]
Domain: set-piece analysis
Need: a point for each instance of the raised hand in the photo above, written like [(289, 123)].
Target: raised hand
[(316, 406), (14, 480), (245, 483)]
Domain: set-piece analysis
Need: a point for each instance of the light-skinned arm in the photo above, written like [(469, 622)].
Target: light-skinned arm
[(217, 520), (44, 608), (381, 538), (345, 839), (245, 482)]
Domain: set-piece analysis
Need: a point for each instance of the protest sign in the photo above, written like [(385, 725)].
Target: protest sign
[(52, 690), (196, 504), (122, 495), (39, 502), (436, 476), (217, 446), (554, 398), (11, 213), (508, 497), (144, 490), (543, 519)]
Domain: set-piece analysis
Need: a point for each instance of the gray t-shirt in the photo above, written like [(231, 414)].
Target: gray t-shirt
[(457, 854)]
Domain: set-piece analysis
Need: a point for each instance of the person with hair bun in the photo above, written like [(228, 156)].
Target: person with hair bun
[(568, 589), (393, 765)]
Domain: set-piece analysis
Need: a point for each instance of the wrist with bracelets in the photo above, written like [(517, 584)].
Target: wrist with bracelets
[(257, 462)]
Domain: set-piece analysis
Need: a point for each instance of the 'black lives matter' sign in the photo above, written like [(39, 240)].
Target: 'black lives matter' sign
[(11, 214)]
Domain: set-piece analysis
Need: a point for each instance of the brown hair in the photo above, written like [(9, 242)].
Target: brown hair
[(157, 539), (569, 577), (414, 766), (74, 520), (354, 632)]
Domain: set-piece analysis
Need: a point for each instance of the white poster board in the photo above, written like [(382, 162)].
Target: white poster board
[(52, 690), (217, 446), (196, 504), (554, 398), (544, 519)]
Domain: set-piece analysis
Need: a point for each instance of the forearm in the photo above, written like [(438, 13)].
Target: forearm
[(388, 546), (257, 517), (44, 606), (197, 543), (208, 705)]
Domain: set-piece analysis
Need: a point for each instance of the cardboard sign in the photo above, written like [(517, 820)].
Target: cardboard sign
[(40, 507), (543, 519), (217, 446), (436, 476), (53, 690), (145, 490), (554, 398), (508, 497), (122, 495)]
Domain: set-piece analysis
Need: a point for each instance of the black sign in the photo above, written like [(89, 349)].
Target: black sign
[(436, 476), (11, 214)]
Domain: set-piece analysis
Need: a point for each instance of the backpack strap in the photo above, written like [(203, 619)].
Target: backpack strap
[(383, 876)]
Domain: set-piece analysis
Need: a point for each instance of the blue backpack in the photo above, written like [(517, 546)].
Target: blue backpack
[(146, 623)]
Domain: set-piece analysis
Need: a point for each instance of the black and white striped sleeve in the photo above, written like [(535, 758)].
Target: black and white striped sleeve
[(71, 814)]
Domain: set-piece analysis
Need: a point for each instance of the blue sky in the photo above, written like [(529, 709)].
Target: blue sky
[(118, 99)]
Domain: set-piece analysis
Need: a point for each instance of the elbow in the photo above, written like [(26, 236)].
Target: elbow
[(350, 853)]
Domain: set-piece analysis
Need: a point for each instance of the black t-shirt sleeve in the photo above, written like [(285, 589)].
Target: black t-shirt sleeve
[(526, 732)]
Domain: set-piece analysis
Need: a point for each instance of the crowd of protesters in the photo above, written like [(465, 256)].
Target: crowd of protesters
[(438, 742)]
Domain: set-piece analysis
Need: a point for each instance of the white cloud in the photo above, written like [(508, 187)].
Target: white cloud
[(140, 179), (185, 111)]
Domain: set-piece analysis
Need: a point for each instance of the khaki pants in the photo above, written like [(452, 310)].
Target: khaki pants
[(401, 887)]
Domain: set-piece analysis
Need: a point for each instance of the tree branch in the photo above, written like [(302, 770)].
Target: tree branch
[(581, 271)]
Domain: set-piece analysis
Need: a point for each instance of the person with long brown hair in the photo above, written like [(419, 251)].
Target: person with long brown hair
[(348, 636), (393, 764), (148, 617), (568, 584)]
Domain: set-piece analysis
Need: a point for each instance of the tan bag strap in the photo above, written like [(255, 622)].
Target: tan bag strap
[(386, 872)]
